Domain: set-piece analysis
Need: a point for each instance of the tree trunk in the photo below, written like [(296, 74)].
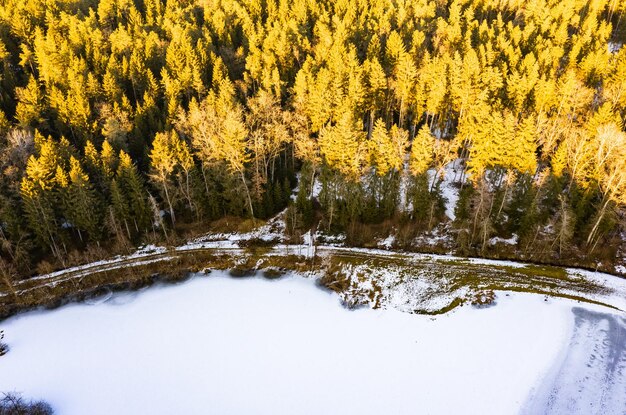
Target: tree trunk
[(189, 199), (594, 230), (506, 190), (312, 181), (206, 182), (479, 207), (127, 229), (169, 204), (245, 185)]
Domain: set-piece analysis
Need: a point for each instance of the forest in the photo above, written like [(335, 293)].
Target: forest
[(127, 121)]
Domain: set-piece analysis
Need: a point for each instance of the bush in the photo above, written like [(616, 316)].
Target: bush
[(44, 267), (257, 243), (273, 273), (483, 298), (241, 272), (13, 404), (4, 348), (335, 280)]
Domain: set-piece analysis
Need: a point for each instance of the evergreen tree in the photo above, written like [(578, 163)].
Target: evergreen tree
[(132, 187), (219, 104), (81, 205)]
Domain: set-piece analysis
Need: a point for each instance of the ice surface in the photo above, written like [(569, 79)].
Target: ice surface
[(220, 345)]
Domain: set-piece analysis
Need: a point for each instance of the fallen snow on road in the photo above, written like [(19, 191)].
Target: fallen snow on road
[(109, 264), (222, 345)]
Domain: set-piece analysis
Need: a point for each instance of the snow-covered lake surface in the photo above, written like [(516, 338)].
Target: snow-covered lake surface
[(221, 345)]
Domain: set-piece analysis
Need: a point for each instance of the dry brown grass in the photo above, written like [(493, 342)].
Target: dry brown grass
[(230, 224), (44, 267)]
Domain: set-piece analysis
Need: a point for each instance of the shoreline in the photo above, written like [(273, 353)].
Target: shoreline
[(329, 264)]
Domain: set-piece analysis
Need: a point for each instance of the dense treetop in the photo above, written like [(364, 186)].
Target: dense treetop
[(115, 112)]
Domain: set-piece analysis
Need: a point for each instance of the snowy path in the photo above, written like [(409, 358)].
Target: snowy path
[(590, 377)]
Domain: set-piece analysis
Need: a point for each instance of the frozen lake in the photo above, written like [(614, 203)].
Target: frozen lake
[(251, 346)]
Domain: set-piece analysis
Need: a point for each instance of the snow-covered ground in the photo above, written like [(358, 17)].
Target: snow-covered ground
[(589, 376), (449, 186), (450, 177), (428, 283), (238, 346)]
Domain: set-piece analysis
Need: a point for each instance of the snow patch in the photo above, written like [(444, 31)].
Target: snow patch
[(438, 236), (317, 188), (451, 181), (388, 242), (330, 240), (614, 287), (496, 262), (615, 47), (272, 231), (510, 241)]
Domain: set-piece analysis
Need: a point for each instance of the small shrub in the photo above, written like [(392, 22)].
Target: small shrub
[(358, 234), (4, 348), (241, 272), (253, 243), (484, 298), (94, 253), (13, 404), (335, 280), (74, 258), (355, 302), (44, 267), (273, 273)]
